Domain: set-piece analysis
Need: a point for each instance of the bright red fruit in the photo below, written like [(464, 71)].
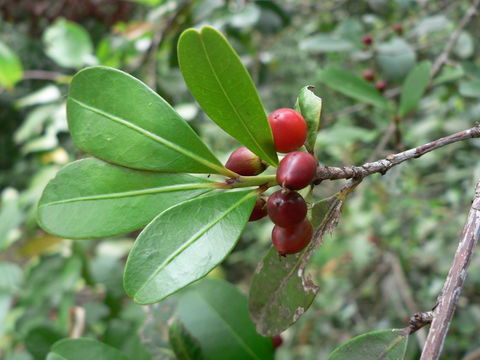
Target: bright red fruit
[(367, 40), (292, 239), (368, 74), (289, 129), (286, 208), (296, 170), (277, 341), (244, 162), (259, 210)]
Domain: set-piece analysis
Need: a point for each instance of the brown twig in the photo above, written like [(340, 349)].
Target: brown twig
[(382, 166), (452, 288), (418, 321)]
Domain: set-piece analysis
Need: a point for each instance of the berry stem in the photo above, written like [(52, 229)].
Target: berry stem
[(248, 181)]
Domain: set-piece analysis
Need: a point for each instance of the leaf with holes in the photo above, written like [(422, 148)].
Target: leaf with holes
[(222, 86), (117, 118), (184, 243)]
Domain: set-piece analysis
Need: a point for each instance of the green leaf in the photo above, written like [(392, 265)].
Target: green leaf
[(117, 118), (90, 198), (323, 43), (82, 349), (310, 106), (470, 88), (352, 85), (68, 44), (414, 87), (215, 313), (184, 345), (184, 243), (11, 70), (11, 217), (39, 340), (11, 279), (396, 58), (222, 86), (375, 345)]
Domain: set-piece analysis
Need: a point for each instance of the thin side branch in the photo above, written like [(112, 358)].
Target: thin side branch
[(452, 288), (382, 166)]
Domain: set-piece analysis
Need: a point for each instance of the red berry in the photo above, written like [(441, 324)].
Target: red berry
[(277, 341), (292, 239), (367, 40), (286, 208), (368, 74), (259, 210), (398, 28), (296, 170), (381, 85), (244, 162), (289, 129)]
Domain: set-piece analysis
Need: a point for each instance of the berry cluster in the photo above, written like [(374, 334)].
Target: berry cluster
[(286, 207)]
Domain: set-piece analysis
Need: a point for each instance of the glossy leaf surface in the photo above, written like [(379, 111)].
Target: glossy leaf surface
[(352, 86), (184, 243), (91, 198), (310, 106), (222, 86), (10, 67), (82, 349), (215, 313), (375, 345), (184, 345), (117, 118), (414, 87)]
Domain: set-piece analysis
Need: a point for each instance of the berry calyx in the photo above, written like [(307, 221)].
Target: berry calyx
[(277, 341), (286, 208), (289, 129), (367, 40), (381, 85), (244, 162), (368, 74), (259, 210), (292, 239), (296, 170)]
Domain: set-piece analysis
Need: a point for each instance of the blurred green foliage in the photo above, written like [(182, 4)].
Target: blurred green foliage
[(393, 248)]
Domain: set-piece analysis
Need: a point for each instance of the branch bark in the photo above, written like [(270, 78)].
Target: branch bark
[(382, 166), (452, 288)]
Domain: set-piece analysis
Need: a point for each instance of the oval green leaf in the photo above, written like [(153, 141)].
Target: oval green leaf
[(90, 198), (414, 87), (353, 86), (215, 313), (83, 348), (119, 119), (184, 243), (10, 67), (375, 345), (222, 86), (184, 345), (310, 106)]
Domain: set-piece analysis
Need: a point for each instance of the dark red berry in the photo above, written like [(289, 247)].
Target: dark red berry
[(381, 85), (398, 28), (368, 74), (292, 239), (296, 170), (259, 210), (286, 208), (244, 162), (277, 341), (367, 40), (289, 129)]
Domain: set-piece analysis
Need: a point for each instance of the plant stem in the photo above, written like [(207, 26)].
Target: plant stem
[(248, 181)]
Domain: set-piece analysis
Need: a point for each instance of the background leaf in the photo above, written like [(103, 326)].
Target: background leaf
[(352, 86), (414, 87), (185, 346), (11, 70), (184, 243), (375, 345), (222, 86), (90, 198), (216, 314), (119, 119), (81, 349), (310, 106), (68, 44), (322, 43), (396, 58)]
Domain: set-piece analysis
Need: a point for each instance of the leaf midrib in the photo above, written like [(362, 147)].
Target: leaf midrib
[(132, 193), (242, 121), (190, 241), (154, 137)]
